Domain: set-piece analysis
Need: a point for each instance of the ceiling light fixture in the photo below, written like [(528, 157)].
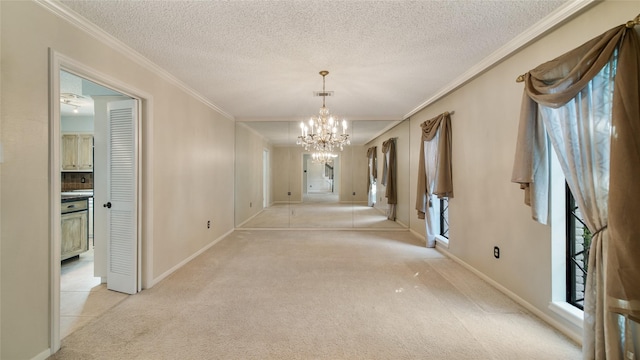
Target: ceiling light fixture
[(322, 133), (323, 157), (75, 101)]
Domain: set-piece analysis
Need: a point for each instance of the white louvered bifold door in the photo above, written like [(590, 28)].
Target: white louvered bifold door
[(122, 243)]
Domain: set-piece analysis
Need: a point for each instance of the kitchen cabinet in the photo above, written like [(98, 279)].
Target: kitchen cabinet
[(77, 152), (74, 225)]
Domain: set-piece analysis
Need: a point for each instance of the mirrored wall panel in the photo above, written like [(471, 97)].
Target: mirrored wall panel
[(280, 184)]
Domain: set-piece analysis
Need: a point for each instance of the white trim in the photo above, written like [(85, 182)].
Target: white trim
[(569, 312), (442, 241), (93, 30), (57, 62), (383, 131), (573, 335), (193, 256), (403, 224), (558, 223), (43, 355), (298, 119), (544, 26), (254, 131), (55, 187)]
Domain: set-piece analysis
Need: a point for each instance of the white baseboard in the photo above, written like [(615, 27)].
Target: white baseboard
[(43, 355), (185, 261), (560, 327), (442, 241), (401, 223)]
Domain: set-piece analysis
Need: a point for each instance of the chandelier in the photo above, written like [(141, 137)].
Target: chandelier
[(323, 157), (321, 134)]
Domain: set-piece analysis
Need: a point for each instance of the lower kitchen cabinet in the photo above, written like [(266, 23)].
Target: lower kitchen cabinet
[(75, 229)]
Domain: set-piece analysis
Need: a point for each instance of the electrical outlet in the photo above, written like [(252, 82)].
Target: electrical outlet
[(496, 252), (209, 224)]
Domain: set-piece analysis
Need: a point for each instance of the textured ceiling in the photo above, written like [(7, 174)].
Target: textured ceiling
[(259, 60)]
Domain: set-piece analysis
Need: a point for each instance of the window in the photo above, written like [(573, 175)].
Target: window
[(578, 243), (560, 221), (444, 217), (439, 207)]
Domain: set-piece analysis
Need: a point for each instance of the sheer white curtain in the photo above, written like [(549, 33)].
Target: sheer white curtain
[(430, 168), (434, 170), (372, 174), (588, 100), (580, 132)]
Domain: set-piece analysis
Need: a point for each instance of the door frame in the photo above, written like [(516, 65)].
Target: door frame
[(57, 62)]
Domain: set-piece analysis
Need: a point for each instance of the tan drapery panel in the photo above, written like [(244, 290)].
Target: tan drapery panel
[(372, 170), (624, 195), (614, 269), (389, 176), (441, 181)]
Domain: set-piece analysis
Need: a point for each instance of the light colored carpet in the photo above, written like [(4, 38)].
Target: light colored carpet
[(286, 294), (321, 211)]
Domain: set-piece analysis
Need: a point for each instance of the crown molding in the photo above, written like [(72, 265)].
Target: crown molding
[(542, 27), (85, 25), (298, 119)]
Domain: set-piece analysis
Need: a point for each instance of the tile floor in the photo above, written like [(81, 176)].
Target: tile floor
[(82, 297)]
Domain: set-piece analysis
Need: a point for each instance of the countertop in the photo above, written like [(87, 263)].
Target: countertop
[(74, 197)]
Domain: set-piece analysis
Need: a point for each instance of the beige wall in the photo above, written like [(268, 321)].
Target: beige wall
[(188, 154), (285, 169), (353, 174), (488, 209), (249, 173)]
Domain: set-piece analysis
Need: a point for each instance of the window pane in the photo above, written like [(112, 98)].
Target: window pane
[(444, 217), (578, 243)]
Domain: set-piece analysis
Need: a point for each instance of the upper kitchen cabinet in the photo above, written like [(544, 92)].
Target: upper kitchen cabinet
[(77, 152)]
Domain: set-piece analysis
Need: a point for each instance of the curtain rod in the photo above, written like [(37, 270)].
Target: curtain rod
[(630, 25), (449, 113), (636, 21)]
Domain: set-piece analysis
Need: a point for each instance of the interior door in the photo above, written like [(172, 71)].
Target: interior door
[(121, 205)]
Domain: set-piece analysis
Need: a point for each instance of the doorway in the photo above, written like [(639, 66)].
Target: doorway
[(320, 183), (72, 87), (83, 294)]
